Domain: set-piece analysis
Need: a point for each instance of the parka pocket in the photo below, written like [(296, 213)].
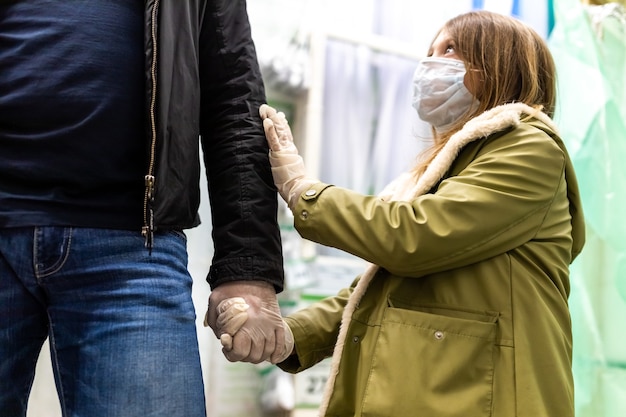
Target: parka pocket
[(432, 364)]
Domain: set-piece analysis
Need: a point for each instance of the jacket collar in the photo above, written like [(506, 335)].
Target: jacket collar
[(499, 118)]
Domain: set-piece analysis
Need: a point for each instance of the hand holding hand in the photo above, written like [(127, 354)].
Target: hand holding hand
[(288, 168), (256, 339), (233, 314)]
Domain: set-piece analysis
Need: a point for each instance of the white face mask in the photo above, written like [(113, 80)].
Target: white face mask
[(439, 94)]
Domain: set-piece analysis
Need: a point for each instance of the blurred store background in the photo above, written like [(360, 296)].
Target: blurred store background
[(341, 70)]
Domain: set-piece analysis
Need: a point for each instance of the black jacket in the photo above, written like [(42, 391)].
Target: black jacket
[(203, 82)]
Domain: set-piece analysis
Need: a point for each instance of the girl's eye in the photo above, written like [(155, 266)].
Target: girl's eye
[(449, 49)]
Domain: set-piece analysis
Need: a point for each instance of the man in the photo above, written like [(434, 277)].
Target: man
[(102, 103)]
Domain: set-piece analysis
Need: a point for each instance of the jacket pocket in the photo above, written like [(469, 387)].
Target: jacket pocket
[(432, 364)]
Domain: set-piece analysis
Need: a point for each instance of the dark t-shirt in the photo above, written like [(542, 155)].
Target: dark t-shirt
[(72, 122)]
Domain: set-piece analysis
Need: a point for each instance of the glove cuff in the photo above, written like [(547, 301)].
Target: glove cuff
[(289, 345)]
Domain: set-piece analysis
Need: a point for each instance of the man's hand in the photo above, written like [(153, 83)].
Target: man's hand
[(232, 314), (258, 336), (288, 168)]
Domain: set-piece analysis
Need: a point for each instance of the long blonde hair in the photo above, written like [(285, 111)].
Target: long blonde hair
[(512, 62)]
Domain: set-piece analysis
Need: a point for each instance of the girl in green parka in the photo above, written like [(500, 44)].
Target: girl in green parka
[(464, 309)]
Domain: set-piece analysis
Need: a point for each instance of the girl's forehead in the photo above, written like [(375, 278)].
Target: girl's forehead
[(442, 37)]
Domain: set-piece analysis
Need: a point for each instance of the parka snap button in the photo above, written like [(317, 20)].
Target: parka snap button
[(310, 193), (439, 335), (304, 214), (355, 339)]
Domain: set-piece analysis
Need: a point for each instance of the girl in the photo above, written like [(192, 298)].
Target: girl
[(463, 311)]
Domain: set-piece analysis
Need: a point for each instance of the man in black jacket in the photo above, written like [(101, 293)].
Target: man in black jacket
[(103, 105)]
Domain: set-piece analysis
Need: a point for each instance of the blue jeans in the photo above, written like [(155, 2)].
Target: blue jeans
[(120, 321)]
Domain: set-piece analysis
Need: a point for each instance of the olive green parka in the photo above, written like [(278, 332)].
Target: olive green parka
[(464, 310)]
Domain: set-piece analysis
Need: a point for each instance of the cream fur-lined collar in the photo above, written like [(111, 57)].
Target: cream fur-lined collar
[(404, 189)]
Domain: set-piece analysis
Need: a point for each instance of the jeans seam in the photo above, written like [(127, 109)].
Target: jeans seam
[(60, 263), (57, 369)]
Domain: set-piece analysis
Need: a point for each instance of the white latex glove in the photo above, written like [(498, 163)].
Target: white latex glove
[(256, 340), (233, 313), (288, 168)]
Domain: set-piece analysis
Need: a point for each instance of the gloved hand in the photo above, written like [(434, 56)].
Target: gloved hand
[(287, 165), (257, 337), (232, 316)]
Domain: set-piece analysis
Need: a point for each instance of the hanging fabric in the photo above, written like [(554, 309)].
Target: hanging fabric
[(589, 46)]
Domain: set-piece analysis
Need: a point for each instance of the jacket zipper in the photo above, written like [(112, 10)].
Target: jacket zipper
[(148, 213)]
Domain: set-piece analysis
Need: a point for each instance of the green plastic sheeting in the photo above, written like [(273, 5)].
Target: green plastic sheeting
[(589, 46)]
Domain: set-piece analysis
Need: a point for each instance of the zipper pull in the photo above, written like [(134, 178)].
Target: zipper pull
[(149, 183), (148, 231)]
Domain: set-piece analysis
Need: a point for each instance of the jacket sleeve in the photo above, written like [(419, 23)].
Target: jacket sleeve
[(315, 330), (494, 203), (242, 194)]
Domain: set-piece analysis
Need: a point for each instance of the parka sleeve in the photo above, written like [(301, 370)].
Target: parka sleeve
[(496, 202), (315, 330), (241, 190)]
